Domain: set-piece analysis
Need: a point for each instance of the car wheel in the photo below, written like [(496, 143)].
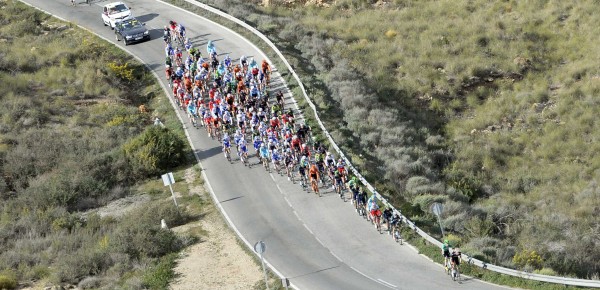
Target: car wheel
[(104, 22)]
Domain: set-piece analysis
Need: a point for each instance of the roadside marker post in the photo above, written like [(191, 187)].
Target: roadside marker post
[(260, 248), (169, 180), (437, 209)]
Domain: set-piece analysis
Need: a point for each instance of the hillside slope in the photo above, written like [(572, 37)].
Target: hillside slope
[(489, 107)]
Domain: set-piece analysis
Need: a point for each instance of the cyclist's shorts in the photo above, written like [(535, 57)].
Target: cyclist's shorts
[(446, 254), (313, 176), (376, 212)]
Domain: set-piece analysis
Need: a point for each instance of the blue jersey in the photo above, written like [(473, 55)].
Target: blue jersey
[(226, 142), (192, 109), (276, 156), (264, 152), (257, 144), (243, 146)]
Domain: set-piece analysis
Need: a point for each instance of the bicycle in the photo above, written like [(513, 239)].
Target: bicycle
[(291, 173), (397, 236), (376, 219), (227, 152), (315, 186), (244, 157), (454, 272), (265, 162), (338, 188), (303, 181), (447, 267)]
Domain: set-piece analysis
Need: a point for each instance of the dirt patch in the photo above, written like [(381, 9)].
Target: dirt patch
[(122, 206), (217, 261)]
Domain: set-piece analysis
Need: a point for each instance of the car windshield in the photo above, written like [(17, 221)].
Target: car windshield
[(118, 8), (130, 24)]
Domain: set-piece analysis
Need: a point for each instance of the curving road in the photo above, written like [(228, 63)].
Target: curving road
[(318, 243)]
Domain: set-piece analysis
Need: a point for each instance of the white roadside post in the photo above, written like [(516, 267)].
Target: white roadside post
[(437, 209), (260, 248), (169, 180)]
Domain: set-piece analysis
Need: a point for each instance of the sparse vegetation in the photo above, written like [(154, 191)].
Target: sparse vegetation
[(72, 139), (486, 106)]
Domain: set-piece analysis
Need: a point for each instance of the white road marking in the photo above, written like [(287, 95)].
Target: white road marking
[(387, 283), (308, 229), (288, 202), (335, 256), (320, 242), (359, 272)]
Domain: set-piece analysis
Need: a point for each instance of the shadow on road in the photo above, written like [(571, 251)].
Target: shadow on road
[(315, 272), (230, 199), (146, 17), (205, 154)]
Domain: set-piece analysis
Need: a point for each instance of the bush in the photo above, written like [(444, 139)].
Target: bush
[(158, 277), (122, 71), (8, 281), (154, 151), (527, 258)]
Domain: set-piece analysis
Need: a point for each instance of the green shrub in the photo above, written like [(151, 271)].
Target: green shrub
[(527, 258), (8, 280), (155, 150), (158, 277), (122, 71)]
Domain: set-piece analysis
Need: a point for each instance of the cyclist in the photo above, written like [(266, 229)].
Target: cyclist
[(302, 169), (264, 154), (173, 26), (446, 252), (167, 35), (387, 217), (192, 114), (181, 31), (226, 146), (289, 162), (373, 207), (243, 150), (210, 48), (361, 201), (329, 159), (257, 144), (395, 221), (353, 186), (276, 159), (455, 261), (188, 46), (313, 173), (338, 183), (266, 70)]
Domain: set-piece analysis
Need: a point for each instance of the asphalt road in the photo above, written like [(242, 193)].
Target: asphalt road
[(318, 243)]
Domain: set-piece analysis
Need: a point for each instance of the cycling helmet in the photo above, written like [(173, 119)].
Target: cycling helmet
[(445, 241)]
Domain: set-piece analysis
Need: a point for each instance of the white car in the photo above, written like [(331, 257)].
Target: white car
[(115, 12)]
